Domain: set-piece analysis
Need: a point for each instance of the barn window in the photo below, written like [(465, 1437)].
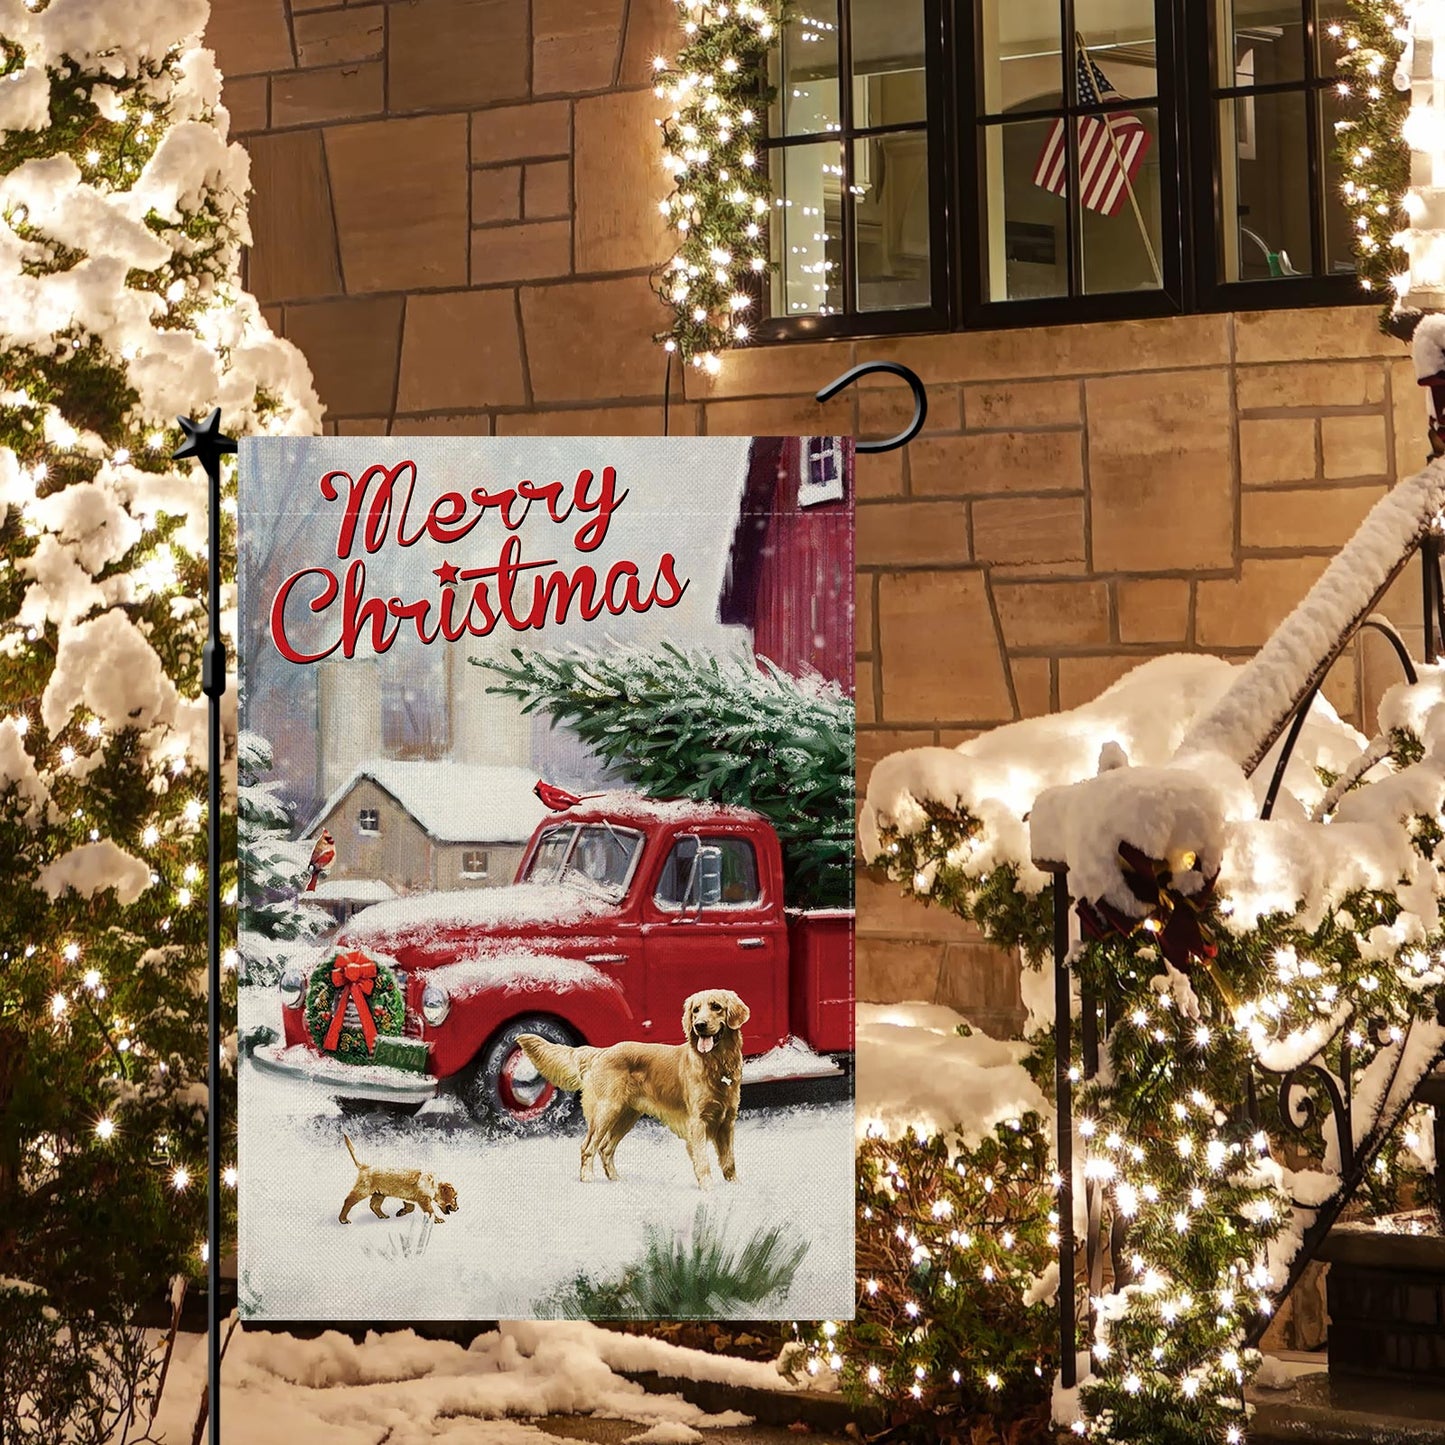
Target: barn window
[(368, 820), (474, 863), (821, 475)]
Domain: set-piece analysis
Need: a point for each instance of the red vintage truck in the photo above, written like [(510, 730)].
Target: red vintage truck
[(622, 906)]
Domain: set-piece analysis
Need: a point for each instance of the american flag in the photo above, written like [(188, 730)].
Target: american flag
[(1107, 167)]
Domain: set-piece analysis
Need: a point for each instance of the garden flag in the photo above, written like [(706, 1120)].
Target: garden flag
[(1112, 146), (545, 842)]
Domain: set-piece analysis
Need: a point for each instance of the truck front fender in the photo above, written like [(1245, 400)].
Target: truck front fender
[(488, 991)]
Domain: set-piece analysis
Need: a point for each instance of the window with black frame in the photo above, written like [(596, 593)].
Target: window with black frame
[(1274, 101), (1125, 157), (853, 229)]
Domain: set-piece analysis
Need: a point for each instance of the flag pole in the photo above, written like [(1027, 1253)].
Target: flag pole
[(1082, 49)]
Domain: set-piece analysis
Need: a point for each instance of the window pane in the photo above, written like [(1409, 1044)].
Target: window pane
[(807, 229), (1259, 41), (1119, 219), (1264, 187), (1330, 12), (804, 74), (1118, 36), (889, 86), (1339, 232), (890, 181), (1026, 245), (1021, 55)]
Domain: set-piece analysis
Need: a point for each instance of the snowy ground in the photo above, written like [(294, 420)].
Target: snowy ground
[(526, 1225)]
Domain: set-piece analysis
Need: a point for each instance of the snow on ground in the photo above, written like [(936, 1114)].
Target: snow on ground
[(526, 1226), (403, 1389)]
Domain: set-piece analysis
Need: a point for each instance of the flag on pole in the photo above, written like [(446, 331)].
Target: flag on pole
[(1112, 147)]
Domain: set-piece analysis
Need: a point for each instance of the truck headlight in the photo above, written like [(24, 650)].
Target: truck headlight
[(293, 986), (436, 1004)]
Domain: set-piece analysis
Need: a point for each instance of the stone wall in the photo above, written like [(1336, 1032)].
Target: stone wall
[(455, 216)]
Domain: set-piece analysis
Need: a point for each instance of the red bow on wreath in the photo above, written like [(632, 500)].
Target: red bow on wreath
[(1173, 917), (354, 975)]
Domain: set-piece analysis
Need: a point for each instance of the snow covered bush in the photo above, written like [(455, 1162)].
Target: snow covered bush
[(122, 212), (1266, 988)]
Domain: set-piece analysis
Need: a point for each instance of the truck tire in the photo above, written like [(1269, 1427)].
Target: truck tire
[(360, 1108), (505, 1090)]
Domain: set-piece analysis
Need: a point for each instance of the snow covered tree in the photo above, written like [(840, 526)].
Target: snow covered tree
[(122, 214), (728, 731), (270, 913)]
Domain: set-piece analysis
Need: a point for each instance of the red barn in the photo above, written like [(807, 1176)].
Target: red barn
[(790, 571)]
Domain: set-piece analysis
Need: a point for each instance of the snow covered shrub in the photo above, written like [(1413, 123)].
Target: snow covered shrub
[(956, 1259), (122, 214)]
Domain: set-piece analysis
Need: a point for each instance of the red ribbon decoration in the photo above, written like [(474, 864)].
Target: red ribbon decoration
[(355, 975)]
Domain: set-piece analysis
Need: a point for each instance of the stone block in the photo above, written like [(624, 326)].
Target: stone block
[(599, 421), (982, 983), (876, 743), (1341, 687), (496, 195), (1410, 409), (462, 53), (1153, 609), (1033, 685), (1052, 614), (863, 684), (547, 190), (590, 341), (1277, 449), (245, 98), (1024, 530), (911, 533), (617, 183), (400, 191), (250, 37), (293, 252), (1311, 334), (894, 971), (1304, 518), (879, 474), (938, 649), (1082, 679), (352, 347), (1317, 384), (528, 251), (453, 424), (336, 36), (361, 426), (461, 349), (576, 44), (769, 370), (343, 92), (521, 132), (1243, 612), (1354, 446), (1025, 353), (651, 31), (886, 413), (992, 462), (1161, 471), (864, 588), (1005, 405), (781, 416)]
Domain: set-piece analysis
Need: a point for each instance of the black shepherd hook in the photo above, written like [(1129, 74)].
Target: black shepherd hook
[(894, 368)]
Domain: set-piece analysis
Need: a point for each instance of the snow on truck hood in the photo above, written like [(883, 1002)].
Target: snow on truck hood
[(514, 906)]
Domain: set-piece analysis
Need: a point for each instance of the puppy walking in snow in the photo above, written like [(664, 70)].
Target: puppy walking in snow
[(692, 1087), (413, 1186)]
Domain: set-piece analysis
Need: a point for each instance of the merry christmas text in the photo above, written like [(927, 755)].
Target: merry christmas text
[(469, 600)]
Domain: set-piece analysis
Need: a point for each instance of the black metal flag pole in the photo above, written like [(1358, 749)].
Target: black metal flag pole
[(205, 442)]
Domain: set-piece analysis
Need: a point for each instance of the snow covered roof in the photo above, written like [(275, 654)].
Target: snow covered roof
[(355, 890), (622, 805), (453, 802)]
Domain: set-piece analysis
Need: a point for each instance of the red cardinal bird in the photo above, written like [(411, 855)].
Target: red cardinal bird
[(559, 799), (323, 855)]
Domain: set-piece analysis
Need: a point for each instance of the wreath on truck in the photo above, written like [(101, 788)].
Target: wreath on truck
[(353, 1001)]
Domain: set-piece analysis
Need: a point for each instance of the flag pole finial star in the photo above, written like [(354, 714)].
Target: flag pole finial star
[(204, 440)]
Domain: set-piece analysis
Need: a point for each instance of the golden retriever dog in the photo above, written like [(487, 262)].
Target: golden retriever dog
[(692, 1087), (413, 1186)]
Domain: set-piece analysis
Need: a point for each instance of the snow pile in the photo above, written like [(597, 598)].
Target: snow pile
[(521, 906), (917, 1072), (517, 972), (406, 1389), (1427, 347), (1417, 708), (94, 867)]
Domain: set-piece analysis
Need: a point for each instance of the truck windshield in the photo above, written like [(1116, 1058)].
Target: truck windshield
[(596, 856)]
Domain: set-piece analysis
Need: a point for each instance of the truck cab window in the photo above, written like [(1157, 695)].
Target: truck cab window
[(739, 873), (551, 854), (603, 855)]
